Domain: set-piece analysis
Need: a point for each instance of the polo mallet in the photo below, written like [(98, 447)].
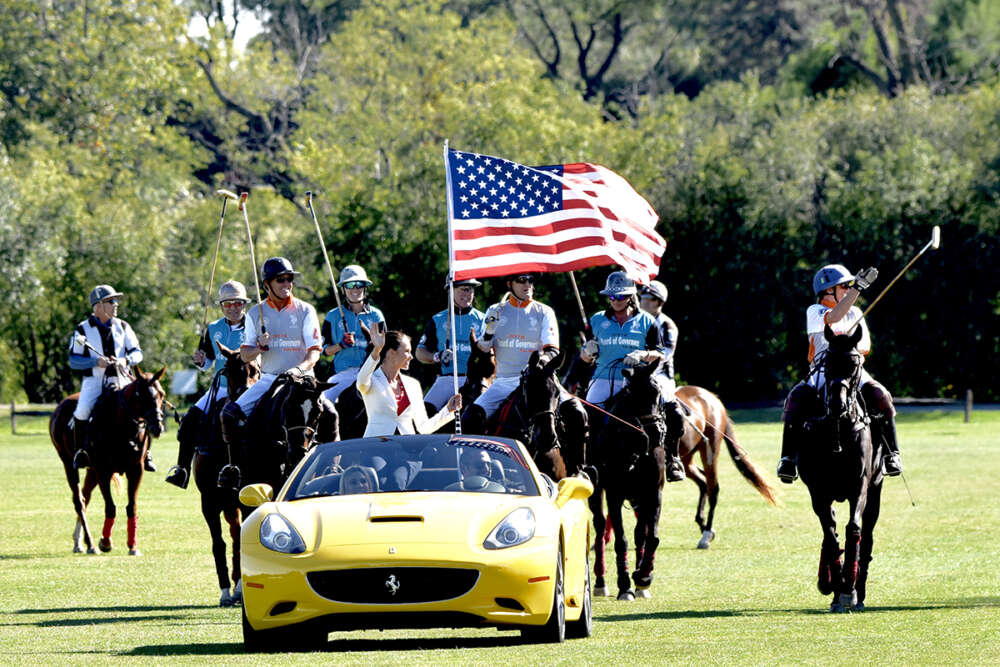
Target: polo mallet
[(933, 244), (253, 263), (326, 258), (226, 196)]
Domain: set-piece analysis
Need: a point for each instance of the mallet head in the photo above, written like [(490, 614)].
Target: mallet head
[(243, 199), (228, 194), (935, 237)]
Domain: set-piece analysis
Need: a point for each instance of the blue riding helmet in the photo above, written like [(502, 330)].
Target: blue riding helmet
[(102, 292), (277, 266), (830, 276), (618, 283)]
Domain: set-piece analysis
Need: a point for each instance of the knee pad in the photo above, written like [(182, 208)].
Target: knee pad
[(878, 400), (801, 402)]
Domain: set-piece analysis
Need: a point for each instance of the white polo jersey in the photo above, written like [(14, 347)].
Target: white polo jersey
[(524, 327), (294, 330)]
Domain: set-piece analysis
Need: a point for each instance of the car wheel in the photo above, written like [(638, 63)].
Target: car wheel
[(582, 627), (554, 631)]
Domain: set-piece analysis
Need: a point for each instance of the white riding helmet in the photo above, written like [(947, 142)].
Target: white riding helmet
[(618, 283), (655, 289), (233, 290), (352, 273)]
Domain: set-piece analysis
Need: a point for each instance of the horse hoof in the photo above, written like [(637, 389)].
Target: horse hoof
[(226, 600), (643, 593), (134, 551), (602, 592), (105, 544), (626, 596), (91, 550), (858, 607), (706, 538), (77, 549)]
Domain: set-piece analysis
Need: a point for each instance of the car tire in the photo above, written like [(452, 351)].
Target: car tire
[(292, 638), (582, 628), (554, 630)]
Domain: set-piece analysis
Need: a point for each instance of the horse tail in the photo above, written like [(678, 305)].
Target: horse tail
[(748, 468)]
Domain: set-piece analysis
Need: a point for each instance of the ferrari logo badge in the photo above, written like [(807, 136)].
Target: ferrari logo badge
[(392, 584)]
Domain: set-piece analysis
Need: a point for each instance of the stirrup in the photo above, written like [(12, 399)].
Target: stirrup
[(81, 459), (786, 470), (891, 465), (148, 464), (177, 476)]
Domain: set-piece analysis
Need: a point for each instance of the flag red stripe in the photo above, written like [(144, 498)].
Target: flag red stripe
[(540, 230), (541, 249)]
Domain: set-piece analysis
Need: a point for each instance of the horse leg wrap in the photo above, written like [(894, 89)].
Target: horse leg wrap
[(639, 555), (109, 522), (133, 524)]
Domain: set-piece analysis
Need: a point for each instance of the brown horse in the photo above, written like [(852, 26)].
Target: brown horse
[(708, 425), (211, 455), (123, 421)]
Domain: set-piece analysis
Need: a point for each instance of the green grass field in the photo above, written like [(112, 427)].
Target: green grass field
[(933, 594)]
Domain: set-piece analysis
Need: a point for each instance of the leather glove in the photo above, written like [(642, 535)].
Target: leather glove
[(444, 356), (347, 340), (591, 348), (865, 278), (633, 359), (492, 321)]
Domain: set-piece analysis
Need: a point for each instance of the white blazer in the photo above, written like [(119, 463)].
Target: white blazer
[(380, 404)]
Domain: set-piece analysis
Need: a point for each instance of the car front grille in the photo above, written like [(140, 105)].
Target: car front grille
[(393, 585)]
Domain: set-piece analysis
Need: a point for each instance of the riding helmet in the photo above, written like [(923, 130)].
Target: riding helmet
[(655, 289), (102, 292), (233, 290), (352, 273), (830, 276), (277, 266), (618, 284), (465, 282)]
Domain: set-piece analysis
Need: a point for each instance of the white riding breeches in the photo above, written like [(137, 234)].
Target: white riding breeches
[(249, 399), (494, 396), (341, 381), (90, 391), (442, 389)]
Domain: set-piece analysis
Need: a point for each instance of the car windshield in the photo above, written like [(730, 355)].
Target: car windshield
[(413, 463)]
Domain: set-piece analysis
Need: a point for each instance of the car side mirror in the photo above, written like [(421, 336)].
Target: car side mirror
[(254, 495), (571, 488)]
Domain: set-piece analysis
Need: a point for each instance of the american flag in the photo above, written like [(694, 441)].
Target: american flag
[(506, 218)]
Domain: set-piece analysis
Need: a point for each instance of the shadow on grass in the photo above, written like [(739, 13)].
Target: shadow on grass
[(126, 609), (341, 645), (969, 603)]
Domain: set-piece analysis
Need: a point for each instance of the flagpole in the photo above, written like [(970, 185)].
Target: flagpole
[(451, 288), (579, 303)]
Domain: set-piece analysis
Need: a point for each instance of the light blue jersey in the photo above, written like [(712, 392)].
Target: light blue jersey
[(437, 335), (333, 332), (639, 332)]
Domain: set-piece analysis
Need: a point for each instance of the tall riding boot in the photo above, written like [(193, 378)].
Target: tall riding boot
[(891, 465), (671, 442), (474, 420), (233, 434), (81, 458), (789, 453), (147, 462), (187, 436)]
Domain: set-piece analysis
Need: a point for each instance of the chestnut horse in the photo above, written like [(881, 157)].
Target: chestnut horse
[(707, 426), (122, 423), (211, 455)]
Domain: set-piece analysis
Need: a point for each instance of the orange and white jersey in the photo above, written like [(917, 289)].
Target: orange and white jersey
[(816, 319)]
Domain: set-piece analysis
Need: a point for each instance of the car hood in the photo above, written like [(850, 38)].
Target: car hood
[(410, 518)]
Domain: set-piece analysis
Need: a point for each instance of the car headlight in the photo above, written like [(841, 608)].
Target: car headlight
[(517, 528), (278, 535)]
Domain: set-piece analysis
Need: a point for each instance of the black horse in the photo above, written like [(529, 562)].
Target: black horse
[(210, 456), (630, 459), (284, 424), (554, 432), (837, 462)]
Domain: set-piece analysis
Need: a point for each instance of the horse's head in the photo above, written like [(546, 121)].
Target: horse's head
[(539, 393), (302, 413), (842, 371), (146, 400), (240, 375), (479, 371), (642, 389)]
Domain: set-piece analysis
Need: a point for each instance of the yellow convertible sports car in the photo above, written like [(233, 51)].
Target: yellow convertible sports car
[(415, 531)]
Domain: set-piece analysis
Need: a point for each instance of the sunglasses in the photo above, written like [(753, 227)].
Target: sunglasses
[(232, 304), (524, 279), (285, 279), (618, 297), (111, 302), (355, 284)]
